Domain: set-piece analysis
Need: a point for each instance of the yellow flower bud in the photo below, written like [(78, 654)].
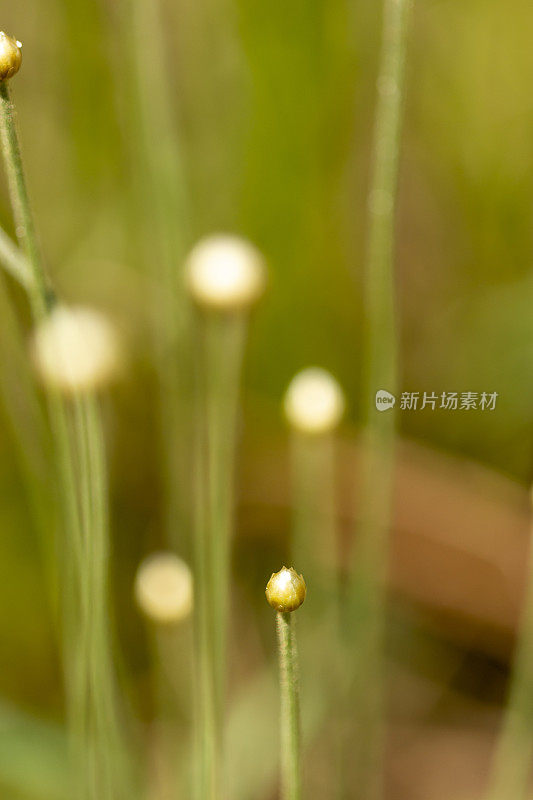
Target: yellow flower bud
[(286, 590), (10, 56)]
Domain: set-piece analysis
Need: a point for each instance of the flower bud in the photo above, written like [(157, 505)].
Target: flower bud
[(76, 349), (286, 590), (314, 402), (164, 588), (10, 56), (225, 273)]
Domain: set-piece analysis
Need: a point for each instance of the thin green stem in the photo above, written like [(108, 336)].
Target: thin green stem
[(291, 782), (367, 600), (511, 770)]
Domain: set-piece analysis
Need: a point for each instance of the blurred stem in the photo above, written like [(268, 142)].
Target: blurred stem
[(367, 591), (511, 769), (222, 351), (315, 549), (40, 297), (81, 474), (14, 261), (208, 767), (224, 344), (172, 659), (315, 545), (164, 219), (290, 707), (101, 742)]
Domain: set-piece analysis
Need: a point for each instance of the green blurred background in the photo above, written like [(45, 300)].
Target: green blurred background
[(272, 106)]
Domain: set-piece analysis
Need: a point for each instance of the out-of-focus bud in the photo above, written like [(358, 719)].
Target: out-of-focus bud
[(225, 273), (314, 402), (76, 349), (10, 56), (286, 590), (164, 588)]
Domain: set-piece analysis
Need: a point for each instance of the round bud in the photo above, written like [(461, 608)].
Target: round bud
[(314, 402), (225, 273), (164, 588), (286, 590), (76, 349), (10, 56)]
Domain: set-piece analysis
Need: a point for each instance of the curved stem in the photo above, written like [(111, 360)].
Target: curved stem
[(14, 261), (38, 289), (81, 472)]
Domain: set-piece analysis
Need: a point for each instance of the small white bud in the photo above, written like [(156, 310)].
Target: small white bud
[(76, 349), (314, 401), (164, 588), (225, 273)]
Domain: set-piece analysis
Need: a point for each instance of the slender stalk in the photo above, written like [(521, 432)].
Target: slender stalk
[(102, 735), (315, 541), (164, 221), (511, 769), (223, 342), (207, 747), (367, 606), (81, 473), (290, 707)]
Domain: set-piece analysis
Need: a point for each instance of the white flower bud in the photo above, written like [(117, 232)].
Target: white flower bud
[(76, 349), (164, 588), (314, 402), (225, 273)]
